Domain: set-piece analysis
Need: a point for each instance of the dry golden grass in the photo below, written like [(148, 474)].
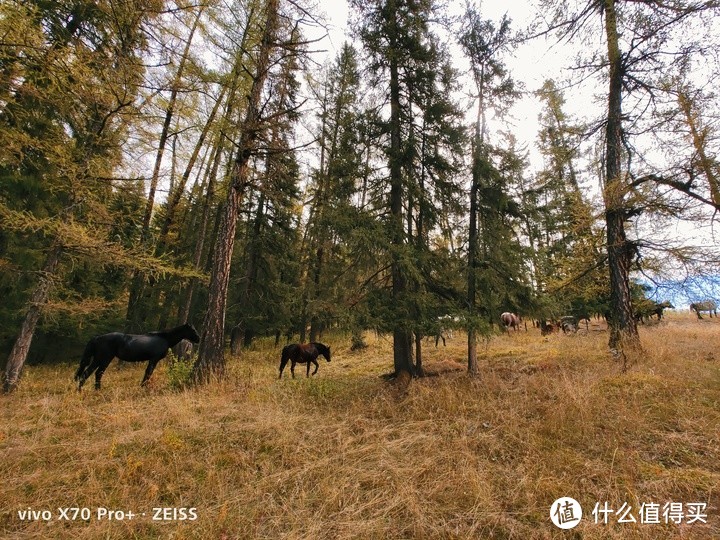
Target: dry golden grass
[(344, 455)]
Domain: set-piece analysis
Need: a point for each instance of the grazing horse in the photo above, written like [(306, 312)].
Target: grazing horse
[(444, 328), (303, 354), (662, 306), (183, 349), (510, 320), (569, 324), (151, 347), (547, 328), (708, 305)]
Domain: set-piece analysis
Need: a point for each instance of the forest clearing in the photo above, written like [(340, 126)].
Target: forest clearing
[(249, 175), (344, 454)]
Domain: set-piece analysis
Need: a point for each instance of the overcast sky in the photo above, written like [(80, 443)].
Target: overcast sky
[(531, 64)]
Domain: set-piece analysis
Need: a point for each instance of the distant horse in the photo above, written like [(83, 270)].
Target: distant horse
[(183, 349), (569, 324), (303, 354), (510, 320), (547, 328), (662, 306), (151, 347), (444, 328), (645, 310), (707, 305)]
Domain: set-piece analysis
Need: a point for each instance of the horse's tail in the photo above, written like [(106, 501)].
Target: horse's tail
[(86, 357), (285, 356)]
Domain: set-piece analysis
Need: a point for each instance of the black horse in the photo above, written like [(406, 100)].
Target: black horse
[(303, 354), (151, 347)]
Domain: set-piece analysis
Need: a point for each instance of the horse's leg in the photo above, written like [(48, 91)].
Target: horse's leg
[(88, 371), (292, 368), (307, 371), (83, 378), (283, 363), (316, 366), (100, 370), (149, 371)]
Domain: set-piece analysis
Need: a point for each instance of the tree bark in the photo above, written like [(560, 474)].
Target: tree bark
[(211, 173), (210, 363), (471, 285), (473, 236), (623, 328), (402, 337), (19, 352)]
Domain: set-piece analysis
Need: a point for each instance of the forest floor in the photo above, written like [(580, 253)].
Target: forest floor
[(344, 454)]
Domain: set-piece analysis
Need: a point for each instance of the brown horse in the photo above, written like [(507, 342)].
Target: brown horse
[(303, 354)]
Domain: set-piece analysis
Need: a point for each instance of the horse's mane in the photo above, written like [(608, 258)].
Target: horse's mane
[(320, 346), (166, 331)]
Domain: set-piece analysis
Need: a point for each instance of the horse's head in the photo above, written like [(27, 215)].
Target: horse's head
[(190, 333), (324, 350)]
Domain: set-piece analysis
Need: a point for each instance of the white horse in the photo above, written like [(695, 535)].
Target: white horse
[(510, 320)]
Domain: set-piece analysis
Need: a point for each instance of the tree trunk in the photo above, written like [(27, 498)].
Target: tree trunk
[(623, 328), (418, 355), (19, 352), (211, 355), (699, 138), (473, 236), (211, 173), (242, 331), (471, 286), (402, 337), (315, 323)]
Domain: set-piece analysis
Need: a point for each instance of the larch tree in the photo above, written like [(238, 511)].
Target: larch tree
[(558, 222), (643, 42), (272, 198), (276, 31), (137, 309), (75, 72)]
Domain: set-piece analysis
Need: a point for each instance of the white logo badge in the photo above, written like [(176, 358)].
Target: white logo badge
[(565, 512)]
